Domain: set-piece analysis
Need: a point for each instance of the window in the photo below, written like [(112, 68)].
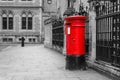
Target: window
[(32, 40), (27, 22), (19, 39), (4, 21), (10, 22), (10, 40), (7, 22), (24, 21), (4, 39), (7, 39)]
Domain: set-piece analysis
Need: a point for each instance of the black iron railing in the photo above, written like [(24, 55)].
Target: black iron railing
[(108, 32), (57, 33)]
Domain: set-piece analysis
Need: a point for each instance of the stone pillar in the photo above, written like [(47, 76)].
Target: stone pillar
[(17, 25), (92, 35), (64, 45), (41, 24), (48, 35)]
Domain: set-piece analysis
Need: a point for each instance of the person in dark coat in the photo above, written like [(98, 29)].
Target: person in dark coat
[(22, 42)]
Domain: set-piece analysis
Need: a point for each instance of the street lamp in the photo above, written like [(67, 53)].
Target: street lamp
[(49, 1)]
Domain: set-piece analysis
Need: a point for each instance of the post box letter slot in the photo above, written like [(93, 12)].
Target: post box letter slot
[(68, 30)]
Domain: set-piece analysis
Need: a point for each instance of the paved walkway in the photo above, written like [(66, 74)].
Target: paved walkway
[(39, 63)]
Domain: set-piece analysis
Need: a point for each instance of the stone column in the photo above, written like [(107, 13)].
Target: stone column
[(40, 24), (92, 35), (64, 45), (17, 25), (0, 23)]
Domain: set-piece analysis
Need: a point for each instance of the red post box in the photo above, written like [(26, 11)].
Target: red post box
[(75, 41)]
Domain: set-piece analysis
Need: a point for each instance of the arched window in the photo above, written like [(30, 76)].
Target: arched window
[(29, 21), (7, 21), (10, 21), (24, 20), (4, 21)]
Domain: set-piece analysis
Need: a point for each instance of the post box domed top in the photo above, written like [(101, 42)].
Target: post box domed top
[(76, 17), (76, 21)]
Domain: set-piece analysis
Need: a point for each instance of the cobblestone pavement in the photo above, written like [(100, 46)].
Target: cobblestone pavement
[(39, 63)]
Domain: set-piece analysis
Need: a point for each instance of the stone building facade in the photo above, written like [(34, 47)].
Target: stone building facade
[(20, 18)]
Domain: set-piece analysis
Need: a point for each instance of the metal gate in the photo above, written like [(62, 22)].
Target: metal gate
[(108, 32)]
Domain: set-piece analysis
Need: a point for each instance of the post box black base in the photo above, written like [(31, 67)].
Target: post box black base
[(81, 62), (76, 62), (70, 62)]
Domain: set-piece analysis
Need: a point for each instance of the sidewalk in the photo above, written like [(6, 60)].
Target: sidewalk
[(39, 63), (2, 47)]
